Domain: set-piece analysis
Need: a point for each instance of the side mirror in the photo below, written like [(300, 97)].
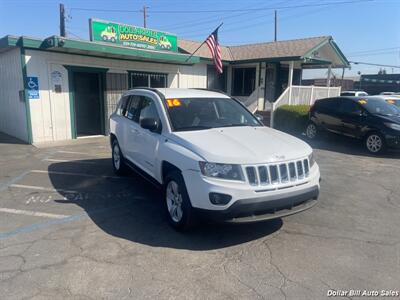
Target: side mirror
[(259, 117), (152, 124)]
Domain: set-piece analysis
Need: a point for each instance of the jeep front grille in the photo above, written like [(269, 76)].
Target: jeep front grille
[(280, 173)]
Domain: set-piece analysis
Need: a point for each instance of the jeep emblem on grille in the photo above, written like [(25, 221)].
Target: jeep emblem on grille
[(279, 157)]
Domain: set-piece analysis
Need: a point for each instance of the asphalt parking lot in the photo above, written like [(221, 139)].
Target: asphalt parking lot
[(70, 229)]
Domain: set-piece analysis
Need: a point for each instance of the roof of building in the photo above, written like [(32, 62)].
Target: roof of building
[(289, 49)]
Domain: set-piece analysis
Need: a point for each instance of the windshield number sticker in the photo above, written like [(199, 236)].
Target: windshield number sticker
[(362, 101), (173, 102)]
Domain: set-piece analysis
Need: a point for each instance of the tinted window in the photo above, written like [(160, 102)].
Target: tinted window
[(133, 109), (148, 109), (123, 104), (378, 106), (206, 113), (327, 105), (216, 81), (144, 79), (244, 81), (349, 107), (348, 94)]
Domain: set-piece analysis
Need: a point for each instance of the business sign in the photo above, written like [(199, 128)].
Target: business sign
[(33, 87), (132, 36)]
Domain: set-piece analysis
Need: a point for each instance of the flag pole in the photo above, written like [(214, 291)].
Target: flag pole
[(191, 55)]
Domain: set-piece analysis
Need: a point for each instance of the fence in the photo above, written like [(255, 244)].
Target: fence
[(303, 95)]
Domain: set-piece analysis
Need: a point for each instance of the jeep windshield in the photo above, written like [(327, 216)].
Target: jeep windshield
[(377, 106), (205, 113)]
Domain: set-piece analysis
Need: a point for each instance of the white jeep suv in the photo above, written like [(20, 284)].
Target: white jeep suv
[(212, 156)]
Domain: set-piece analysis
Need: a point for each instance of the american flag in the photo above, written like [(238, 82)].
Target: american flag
[(212, 43)]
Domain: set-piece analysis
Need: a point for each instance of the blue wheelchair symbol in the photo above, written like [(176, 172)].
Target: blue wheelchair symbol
[(33, 87), (32, 84)]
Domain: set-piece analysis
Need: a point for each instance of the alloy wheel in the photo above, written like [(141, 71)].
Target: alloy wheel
[(174, 201), (116, 157), (311, 131), (374, 143)]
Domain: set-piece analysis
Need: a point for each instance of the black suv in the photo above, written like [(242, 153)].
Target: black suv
[(367, 118)]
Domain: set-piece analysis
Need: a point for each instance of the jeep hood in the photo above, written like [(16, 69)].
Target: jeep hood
[(242, 145)]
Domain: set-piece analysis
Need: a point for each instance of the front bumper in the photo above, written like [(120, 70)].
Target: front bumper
[(392, 141), (251, 203), (264, 208)]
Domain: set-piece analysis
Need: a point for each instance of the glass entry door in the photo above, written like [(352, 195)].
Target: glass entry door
[(145, 79)]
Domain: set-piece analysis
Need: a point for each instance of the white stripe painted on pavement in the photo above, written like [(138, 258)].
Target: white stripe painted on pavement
[(42, 188), (32, 213), (71, 161), (73, 152), (76, 174)]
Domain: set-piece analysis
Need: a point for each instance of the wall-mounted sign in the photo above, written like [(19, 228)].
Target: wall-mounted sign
[(56, 77), (132, 36), (33, 87)]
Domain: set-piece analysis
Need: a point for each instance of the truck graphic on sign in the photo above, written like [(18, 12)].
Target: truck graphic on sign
[(109, 34)]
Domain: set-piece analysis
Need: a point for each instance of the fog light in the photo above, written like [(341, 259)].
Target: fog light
[(219, 199)]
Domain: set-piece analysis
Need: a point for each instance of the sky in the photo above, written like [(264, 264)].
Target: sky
[(366, 31)]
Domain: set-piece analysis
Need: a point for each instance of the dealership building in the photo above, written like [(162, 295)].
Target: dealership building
[(60, 88)]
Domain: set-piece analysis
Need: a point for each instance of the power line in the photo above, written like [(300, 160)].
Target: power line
[(373, 54), (208, 19), (220, 10), (259, 8), (373, 64), (269, 21), (373, 50)]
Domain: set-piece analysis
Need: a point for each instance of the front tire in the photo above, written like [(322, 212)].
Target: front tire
[(375, 143), (118, 160), (311, 131), (179, 209)]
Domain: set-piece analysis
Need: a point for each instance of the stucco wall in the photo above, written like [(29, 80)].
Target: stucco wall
[(12, 109)]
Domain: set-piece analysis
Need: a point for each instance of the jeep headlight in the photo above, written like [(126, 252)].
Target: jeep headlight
[(311, 159), (222, 171), (393, 126)]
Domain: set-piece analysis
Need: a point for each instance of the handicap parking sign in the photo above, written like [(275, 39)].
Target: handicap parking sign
[(33, 87)]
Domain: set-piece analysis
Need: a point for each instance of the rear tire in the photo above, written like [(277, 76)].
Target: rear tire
[(375, 143), (311, 131), (118, 161), (178, 207)]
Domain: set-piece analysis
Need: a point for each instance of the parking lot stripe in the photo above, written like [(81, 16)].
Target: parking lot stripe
[(76, 174), (41, 188), (50, 223), (73, 152), (32, 213), (71, 161), (5, 186)]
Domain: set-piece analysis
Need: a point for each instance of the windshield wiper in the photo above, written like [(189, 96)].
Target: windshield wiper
[(188, 128), (235, 125)]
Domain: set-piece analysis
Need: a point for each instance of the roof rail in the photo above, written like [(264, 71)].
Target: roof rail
[(149, 89)]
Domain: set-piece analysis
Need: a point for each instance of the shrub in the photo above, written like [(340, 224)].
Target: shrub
[(291, 118)]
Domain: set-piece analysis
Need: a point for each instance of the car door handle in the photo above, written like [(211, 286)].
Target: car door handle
[(134, 130)]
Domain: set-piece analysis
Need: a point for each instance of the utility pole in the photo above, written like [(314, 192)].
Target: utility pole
[(145, 16), (62, 20), (276, 26)]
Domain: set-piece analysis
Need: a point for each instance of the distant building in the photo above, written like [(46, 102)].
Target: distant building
[(375, 84), (346, 83)]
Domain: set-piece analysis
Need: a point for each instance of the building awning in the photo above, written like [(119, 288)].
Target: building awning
[(67, 45)]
